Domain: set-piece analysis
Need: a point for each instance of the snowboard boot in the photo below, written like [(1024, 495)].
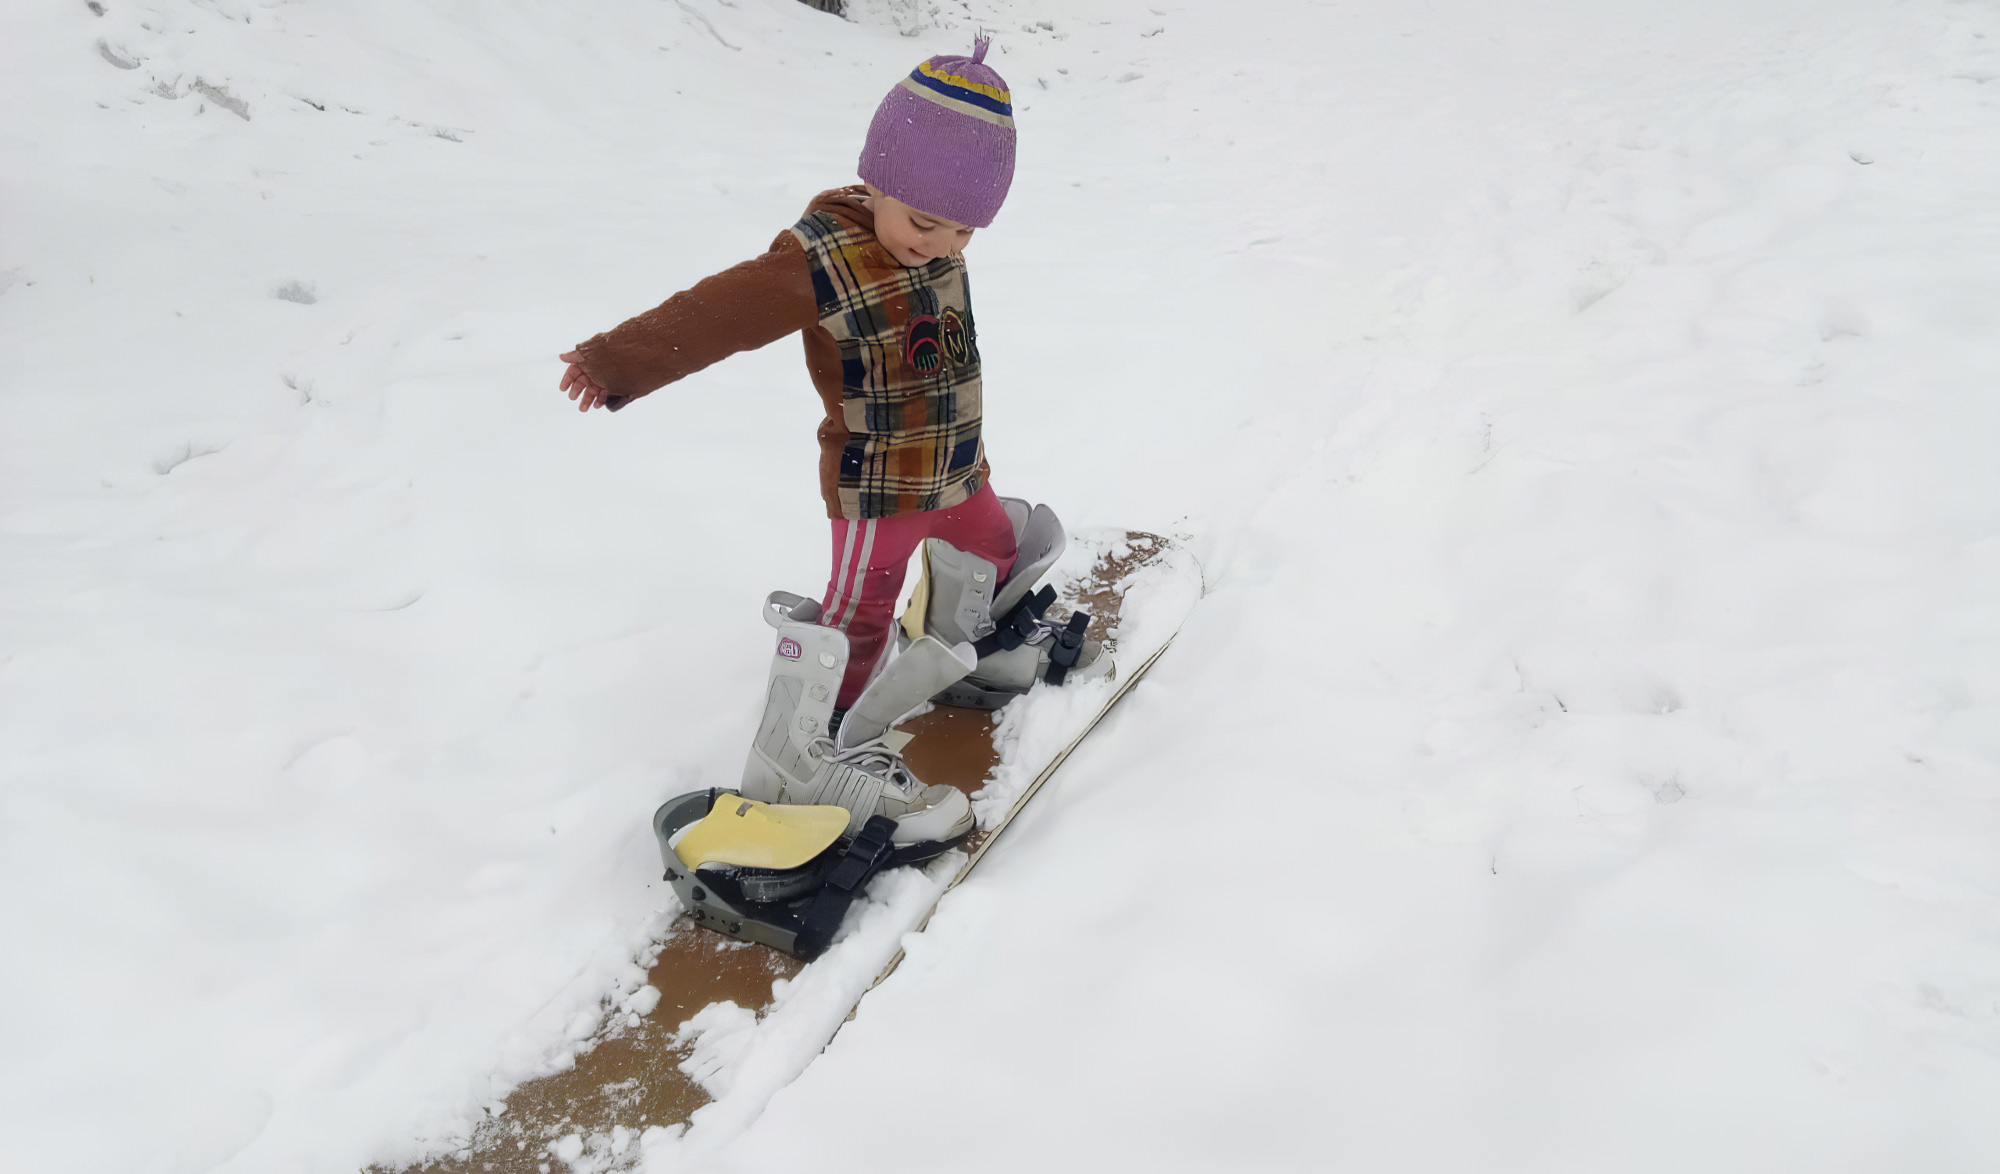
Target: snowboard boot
[(795, 758), (960, 599)]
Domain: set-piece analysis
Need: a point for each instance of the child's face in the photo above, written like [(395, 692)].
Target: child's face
[(915, 238)]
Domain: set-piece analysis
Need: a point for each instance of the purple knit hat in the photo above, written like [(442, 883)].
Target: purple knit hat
[(943, 140)]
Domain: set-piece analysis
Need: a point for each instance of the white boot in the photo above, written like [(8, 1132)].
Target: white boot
[(961, 599), (794, 759)]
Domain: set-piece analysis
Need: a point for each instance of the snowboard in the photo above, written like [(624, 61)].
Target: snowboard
[(722, 1024)]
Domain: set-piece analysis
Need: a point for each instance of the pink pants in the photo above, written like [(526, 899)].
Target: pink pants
[(869, 559)]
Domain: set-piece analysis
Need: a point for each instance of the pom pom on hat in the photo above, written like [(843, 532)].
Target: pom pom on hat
[(943, 140)]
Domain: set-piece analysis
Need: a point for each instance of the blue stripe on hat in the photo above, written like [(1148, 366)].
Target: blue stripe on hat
[(961, 94)]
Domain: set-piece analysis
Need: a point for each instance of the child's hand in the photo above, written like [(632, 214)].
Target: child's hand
[(580, 386)]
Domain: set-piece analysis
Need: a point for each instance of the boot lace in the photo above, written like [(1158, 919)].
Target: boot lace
[(873, 757)]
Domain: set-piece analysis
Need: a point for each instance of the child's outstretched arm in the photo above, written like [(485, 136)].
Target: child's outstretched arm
[(740, 309)]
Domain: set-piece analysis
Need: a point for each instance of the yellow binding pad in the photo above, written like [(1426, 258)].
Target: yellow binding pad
[(749, 834)]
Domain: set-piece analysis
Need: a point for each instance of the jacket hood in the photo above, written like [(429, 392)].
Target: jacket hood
[(849, 205)]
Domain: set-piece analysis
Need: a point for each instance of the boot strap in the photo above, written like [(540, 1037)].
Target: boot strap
[(864, 857), (1017, 625)]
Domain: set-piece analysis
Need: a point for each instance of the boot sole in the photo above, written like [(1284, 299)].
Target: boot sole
[(967, 695), (924, 850)]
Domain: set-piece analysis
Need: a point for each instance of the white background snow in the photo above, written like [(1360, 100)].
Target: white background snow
[(1587, 756)]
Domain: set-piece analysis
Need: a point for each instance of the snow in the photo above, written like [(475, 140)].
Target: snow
[(1584, 756)]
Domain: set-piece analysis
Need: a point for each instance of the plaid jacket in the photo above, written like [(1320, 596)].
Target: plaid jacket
[(909, 372), (890, 351)]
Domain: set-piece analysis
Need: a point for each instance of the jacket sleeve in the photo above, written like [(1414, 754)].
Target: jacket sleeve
[(740, 309)]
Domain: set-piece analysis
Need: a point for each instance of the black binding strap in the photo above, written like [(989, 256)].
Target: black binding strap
[(863, 858), (1067, 648), (1017, 625)]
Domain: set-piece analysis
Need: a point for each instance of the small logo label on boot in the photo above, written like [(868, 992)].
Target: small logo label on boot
[(789, 648)]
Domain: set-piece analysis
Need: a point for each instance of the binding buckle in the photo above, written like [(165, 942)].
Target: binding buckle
[(864, 856), (1067, 648)]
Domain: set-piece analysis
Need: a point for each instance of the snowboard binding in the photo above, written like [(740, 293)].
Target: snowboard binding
[(779, 876), (958, 599), (823, 806)]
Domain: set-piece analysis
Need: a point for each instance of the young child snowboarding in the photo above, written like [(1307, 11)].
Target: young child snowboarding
[(874, 279)]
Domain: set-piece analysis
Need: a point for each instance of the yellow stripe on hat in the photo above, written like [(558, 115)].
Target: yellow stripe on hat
[(952, 79)]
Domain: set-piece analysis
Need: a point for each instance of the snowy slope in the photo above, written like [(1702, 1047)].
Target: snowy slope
[(1585, 757)]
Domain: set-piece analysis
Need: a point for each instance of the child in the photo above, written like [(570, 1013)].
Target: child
[(874, 279)]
